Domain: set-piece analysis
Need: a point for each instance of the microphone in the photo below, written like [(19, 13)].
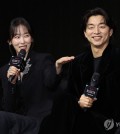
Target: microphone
[(18, 62), (91, 90)]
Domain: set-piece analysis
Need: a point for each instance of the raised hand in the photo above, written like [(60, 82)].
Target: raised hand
[(59, 63)]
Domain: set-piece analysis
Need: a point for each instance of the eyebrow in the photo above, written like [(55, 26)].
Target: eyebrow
[(20, 33), (98, 24)]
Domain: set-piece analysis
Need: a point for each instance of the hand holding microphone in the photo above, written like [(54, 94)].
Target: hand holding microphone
[(12, 74), (86, 102), (17, 65), (90, 92)]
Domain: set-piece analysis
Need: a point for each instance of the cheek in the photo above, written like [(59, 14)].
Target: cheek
[(87, 34), (29, 41), (107, 35), (28, 47), (15, 43)]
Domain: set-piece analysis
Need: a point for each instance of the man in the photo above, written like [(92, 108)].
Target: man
[(94, 77)]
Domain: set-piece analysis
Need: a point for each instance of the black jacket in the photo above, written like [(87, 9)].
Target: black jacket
[(104, 115), (33, 96)]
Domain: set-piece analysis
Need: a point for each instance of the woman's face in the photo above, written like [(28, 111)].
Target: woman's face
[(22, 39)]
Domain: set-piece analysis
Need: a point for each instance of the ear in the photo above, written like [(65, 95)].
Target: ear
[(85, 34), (9, 42), (111, 32)]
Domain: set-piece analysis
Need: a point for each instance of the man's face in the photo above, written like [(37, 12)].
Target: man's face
[(97, 32)]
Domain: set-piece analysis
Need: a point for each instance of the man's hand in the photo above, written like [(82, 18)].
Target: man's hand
[(86, 102)]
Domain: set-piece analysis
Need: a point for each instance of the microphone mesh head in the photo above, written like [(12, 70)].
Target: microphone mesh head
[(22, 53)]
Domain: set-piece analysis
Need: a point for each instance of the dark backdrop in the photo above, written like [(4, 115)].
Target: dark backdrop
[(56, 24)]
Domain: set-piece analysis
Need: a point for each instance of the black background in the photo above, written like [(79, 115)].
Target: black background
[(56, 24)]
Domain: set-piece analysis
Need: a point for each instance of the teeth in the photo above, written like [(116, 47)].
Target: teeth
[(97, 37)]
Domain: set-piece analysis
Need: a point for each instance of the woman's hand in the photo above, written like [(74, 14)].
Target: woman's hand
[(13, 71), (59, 63)]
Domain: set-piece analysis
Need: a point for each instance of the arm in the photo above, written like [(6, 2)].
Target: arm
[(52, 70), (8, 94)]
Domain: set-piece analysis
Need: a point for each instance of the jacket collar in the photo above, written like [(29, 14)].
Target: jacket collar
[(88, 62)]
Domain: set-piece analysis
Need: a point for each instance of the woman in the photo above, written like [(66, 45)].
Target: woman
[(28, 93)]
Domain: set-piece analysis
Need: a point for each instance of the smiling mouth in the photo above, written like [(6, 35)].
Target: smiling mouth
[(22, 47), (97, 38)]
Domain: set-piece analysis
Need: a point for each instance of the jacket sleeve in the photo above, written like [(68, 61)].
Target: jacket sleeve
[(49, 71), (8, 91)]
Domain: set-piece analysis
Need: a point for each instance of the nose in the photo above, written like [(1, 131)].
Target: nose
[(96, 30), (22, 39)]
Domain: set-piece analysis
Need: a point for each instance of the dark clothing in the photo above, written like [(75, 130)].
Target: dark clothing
[(32, 95), (118, 130), (106, 108), (96, 64), (103, 116), (11, 123)]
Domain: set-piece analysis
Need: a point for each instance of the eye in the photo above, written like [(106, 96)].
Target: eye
[(103, 26), (27, 35), (16, 36), (90, 27)]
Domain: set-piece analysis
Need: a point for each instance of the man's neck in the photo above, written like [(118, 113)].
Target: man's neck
[(98, 51)]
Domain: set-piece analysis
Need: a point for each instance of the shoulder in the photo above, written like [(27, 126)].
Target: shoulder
[(82, 58), (116, 50), (37, 56), (83, 55), (116, 56), (116, 53)]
